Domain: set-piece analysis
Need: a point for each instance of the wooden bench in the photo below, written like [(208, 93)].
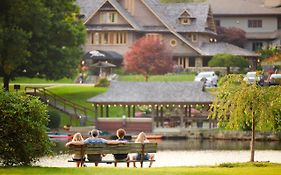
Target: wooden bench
[(120, 148)]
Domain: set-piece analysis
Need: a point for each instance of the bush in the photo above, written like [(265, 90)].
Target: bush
[(54, 120), (103, 82), (23, 137)]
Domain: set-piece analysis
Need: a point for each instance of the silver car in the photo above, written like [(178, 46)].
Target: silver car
[(210, 78)]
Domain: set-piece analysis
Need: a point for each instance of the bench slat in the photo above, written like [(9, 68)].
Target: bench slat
[(121, 148)]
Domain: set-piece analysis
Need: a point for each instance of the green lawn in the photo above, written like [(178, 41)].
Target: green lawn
[(167, 77), (241, 169), (39, 80)]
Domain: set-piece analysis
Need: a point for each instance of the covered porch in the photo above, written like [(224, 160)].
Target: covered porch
[(169, 105)]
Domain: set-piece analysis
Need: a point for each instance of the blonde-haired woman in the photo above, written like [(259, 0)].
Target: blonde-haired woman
[(141, 138), (77, 138)]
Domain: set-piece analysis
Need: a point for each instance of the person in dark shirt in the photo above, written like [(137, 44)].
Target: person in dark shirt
[(120, 133)]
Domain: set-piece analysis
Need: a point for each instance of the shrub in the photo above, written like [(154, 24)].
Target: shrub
[(23, 137), (54, 120), (103, 82)]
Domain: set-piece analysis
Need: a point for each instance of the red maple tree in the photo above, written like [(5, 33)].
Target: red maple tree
[(233, 35), (148, 56)]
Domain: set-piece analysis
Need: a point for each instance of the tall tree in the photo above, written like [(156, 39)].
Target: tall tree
[(239, 106), (40, 37), (233, 35), (148, 56), (228, 60)]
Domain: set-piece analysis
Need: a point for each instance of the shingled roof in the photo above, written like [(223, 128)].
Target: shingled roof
[(170, 13), (153, 93), (242, 7), (210, 49)]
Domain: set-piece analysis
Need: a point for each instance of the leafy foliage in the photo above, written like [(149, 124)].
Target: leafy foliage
[(239, 105), (148, 56), (23, 123), (103, 83), (228, 60), (39, 38), (233, 35), (54, 119)]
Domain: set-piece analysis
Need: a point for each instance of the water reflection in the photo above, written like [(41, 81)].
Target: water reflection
[(194, 144)]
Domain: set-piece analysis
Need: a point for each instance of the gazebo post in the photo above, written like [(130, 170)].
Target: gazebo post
[(161, 116), (101, 111), (181, 119), (157, 116), (134, 111), (96, 114), (185, 115), (106, 111), (124, 109), (189, 114), (129, 111)]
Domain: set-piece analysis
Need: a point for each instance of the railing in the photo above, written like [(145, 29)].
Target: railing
[(74, 110)]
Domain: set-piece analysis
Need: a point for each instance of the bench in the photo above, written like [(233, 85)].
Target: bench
[(120, 148)]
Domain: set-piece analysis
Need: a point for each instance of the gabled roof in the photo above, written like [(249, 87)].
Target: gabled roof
[(157, 9), (185, 13), (171, 11), (242, 7), (154, 93), (211, 49), (90, 7)]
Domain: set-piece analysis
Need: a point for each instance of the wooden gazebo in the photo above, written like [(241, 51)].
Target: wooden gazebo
[(156, 95)]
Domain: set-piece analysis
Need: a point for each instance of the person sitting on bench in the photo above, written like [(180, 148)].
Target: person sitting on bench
[(120, 133), (77, 157), (94, 139), (141, 138)]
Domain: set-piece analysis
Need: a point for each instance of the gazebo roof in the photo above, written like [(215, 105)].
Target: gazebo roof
[(153, 93)]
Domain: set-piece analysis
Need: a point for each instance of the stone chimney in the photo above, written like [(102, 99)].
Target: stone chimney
[(272, 3)]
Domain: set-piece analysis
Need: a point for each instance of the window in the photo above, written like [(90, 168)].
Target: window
[(108, 17), (255, 23), (109, 38), (154, 36), (217, 23), (173, 42), (257, 46), (194, 37), (185, 21), (279, 23)]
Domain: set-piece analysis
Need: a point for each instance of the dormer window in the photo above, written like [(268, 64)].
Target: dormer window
[(185, 21), (108, 17), (185, 18)]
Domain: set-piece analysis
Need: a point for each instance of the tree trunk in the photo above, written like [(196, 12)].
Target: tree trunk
[(252, 146), (6, 81), (227, 70), (146, 78)]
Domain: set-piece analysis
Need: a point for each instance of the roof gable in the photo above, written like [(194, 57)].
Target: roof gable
[(111, 5)]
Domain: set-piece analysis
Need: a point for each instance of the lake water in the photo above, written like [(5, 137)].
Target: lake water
[(187, 153)]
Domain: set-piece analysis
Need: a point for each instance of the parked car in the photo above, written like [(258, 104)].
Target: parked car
[(252, 77), (274, 79), (210, 78)]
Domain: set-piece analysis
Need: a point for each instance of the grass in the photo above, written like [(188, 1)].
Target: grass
[(26, 80), (235, 169), (167, 77)]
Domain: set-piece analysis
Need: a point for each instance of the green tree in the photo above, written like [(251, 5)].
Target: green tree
[(39, 38), (239, 105), (23, 121), (228, 60)]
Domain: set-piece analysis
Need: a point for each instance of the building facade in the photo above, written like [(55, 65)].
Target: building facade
[(187, 28), (260, 19)]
